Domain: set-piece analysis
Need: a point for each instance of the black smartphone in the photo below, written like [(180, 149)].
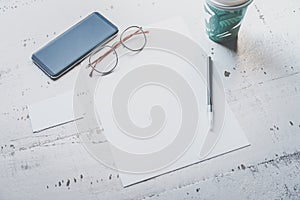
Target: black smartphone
[(70, 48)]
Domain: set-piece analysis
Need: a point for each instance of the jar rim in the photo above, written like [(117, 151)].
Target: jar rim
[(229, 5)]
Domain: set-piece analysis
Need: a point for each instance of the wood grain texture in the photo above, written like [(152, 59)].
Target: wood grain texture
[(262, 87)]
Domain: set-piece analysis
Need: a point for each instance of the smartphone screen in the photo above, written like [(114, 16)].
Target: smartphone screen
[(71, 47)]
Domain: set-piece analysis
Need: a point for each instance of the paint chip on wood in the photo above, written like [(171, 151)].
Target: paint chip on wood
[(226, 73)]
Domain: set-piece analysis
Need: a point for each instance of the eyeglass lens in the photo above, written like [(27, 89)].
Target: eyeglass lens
[(133, 38), (103, 60)]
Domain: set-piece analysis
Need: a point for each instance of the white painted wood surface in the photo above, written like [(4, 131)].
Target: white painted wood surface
[(263, 90)]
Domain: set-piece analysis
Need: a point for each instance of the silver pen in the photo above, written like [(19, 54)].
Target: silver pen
[(209, 93)]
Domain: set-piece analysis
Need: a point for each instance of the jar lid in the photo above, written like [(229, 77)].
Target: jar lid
[(229, 4)]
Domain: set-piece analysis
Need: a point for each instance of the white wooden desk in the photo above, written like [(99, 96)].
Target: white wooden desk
[(263, 90)]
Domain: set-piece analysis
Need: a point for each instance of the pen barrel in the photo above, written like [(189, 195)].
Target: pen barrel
[(210, 120), (209, 100), (209, 108)]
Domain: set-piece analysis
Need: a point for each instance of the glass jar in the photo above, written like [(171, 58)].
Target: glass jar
[(223, 18)]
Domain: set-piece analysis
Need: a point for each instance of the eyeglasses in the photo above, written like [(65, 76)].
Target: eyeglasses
[(132, 38)]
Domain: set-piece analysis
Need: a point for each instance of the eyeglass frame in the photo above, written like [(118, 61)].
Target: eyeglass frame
[(113, 49)]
